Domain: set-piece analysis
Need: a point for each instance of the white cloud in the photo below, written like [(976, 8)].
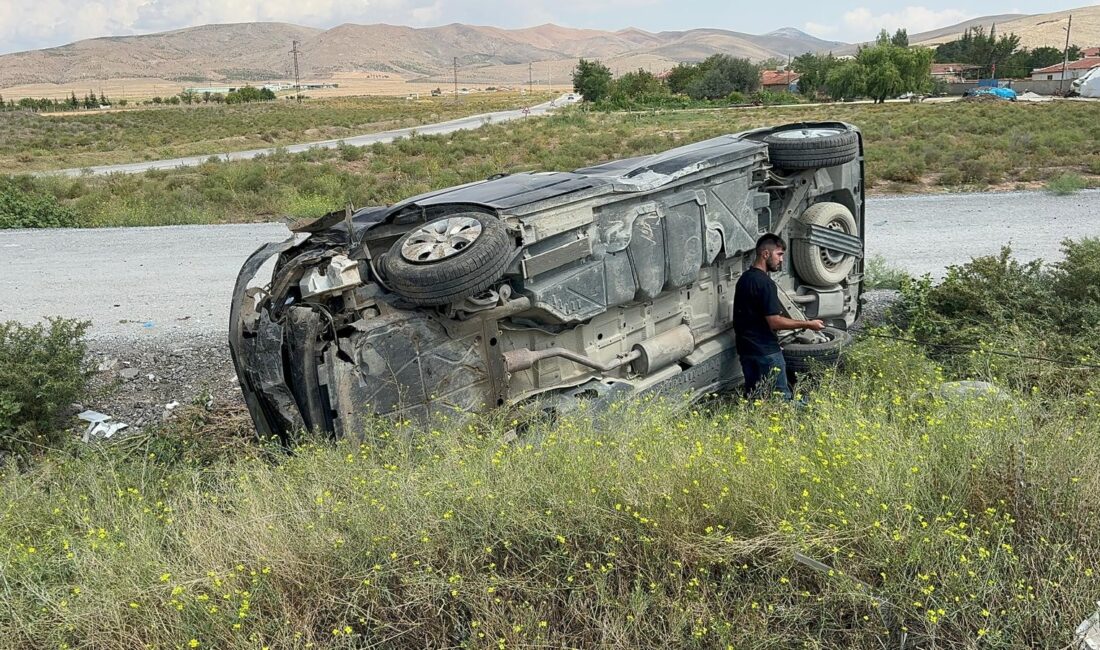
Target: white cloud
[(862, 24), (819, 30)]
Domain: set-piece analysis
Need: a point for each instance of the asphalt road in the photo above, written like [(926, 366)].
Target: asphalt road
[(175, 282), (471, 122)]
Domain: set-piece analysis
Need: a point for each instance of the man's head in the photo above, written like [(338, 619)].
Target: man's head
[(770, 250)]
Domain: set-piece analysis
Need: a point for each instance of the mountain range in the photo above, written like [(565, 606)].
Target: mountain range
[(261, 51)]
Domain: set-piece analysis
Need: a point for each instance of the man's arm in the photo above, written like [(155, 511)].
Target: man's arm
[(780, 322)]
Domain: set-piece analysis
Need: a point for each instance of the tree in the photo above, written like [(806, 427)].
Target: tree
[(900, 38), (266, 94), (723, 74), (74, 103), (813, 70), (592, 80), (681, 77), (889, 70), (188, 96), (975, 47), (633, 85), (847, 81)]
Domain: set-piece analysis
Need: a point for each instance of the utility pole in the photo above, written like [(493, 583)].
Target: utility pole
[(1065, 54), (788, 73), (456, 77), (530, 78), (297, 77)]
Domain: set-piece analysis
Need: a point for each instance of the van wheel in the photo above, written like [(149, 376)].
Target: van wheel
[(817, 265), (811, 148), (801, 357), (449, 259)]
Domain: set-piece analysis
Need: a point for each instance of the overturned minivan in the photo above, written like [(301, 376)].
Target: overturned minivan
[(551, 288)]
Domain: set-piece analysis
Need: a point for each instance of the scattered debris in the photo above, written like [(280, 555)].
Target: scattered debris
[(107, 364), (1087, 634), (100, 426), (129, 374)]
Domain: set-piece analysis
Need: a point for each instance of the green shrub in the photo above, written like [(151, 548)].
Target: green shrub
[(27, 208), (42, 371), (1066, 184), (879, 274), (995, 317)]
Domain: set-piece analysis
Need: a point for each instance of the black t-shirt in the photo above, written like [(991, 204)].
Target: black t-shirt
[(755, 298)]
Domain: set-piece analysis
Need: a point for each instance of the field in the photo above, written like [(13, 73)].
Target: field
[(909, 148), (958, 523), (35, 142)]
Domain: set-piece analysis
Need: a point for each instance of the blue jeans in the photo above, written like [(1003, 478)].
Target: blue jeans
[(765, 375)]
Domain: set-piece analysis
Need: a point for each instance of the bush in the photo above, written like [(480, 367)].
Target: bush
[(1066, 184), (42, 371), (992, 318), (20, 208), (878, 274)]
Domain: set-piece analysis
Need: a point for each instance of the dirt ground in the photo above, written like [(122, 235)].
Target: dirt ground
[(349, 84)]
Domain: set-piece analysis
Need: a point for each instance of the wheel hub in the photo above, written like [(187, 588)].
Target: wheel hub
[(441, 239), (830, 257)]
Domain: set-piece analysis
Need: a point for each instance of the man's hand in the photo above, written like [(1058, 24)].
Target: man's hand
[(814, 325)]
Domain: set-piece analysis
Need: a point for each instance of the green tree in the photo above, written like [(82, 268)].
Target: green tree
[(188, 96), (722, 75), (813, 72), (266, 94), (890, 70), (73, 101), (682, 76), (634, 85), (900, 38), (592, 80), (847, 81)]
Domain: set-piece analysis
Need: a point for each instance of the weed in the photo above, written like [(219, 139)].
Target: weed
[(1066, 184)]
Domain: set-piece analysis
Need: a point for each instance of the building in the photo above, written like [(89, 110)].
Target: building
[(1090, 52), (779, 81), (1074, 70), (954, 73)]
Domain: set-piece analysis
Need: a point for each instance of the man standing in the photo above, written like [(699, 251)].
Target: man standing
[(757, 314)]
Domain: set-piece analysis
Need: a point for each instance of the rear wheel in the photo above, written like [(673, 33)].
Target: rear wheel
[(811, 148), (449, 259)]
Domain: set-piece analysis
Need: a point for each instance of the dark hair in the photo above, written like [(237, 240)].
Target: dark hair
[(770, 241)]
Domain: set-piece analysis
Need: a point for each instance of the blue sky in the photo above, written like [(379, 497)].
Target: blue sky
[(33, 24)]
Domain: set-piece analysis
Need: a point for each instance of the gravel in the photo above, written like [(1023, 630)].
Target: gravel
[(142, 383)]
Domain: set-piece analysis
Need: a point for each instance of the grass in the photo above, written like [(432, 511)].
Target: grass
[(34, 142), (1066, 184), (961, 523), (909, 148)]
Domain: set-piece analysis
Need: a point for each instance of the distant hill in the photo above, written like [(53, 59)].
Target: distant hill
[(1034, 31), (213, 54), (258, 51)]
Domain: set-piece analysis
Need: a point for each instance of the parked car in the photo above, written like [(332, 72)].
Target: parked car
[(551, 289)]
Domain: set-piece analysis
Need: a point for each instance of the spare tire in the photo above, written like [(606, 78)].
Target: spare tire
[(801, 357), (811, 148), (449, 259), (821, 266)]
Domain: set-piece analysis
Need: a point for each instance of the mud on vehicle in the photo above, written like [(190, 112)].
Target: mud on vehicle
[(551, 288)]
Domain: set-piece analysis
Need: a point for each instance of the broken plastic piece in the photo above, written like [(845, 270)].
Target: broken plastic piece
[(99, 426), (341, 273)]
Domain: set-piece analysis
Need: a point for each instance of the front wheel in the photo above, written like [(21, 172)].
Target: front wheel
[(449, 259)]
